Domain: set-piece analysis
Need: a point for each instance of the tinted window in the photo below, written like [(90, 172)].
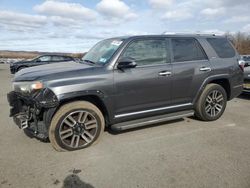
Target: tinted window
[(222, 47), (187, 49), (68, 58), (45, 58), (57, 58), (147, 52)]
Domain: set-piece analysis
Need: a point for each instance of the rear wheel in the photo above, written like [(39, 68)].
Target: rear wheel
[(212, 103), (75, 126)]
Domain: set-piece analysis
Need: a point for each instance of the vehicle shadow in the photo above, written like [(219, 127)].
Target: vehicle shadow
[(73, 181), (113, 132), (244, 96)]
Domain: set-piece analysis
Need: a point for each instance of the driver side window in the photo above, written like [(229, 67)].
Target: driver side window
[(148, 52)]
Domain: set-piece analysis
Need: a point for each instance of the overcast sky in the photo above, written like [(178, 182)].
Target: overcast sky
[(76, 25)]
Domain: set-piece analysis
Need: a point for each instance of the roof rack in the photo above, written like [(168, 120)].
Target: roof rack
[(187, 33)]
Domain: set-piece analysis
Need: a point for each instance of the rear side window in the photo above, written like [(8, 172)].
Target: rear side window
[(187, 49), (222, 47)]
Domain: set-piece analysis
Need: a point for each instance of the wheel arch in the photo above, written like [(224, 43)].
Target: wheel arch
[(21, 67), (94, 97), (222, 80)]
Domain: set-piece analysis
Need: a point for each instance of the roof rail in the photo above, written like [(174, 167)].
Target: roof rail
[(187, 33)]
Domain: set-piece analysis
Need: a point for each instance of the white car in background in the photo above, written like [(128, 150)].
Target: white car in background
[(9, 60)]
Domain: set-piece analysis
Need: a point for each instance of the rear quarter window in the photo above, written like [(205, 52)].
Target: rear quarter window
[(222, 47)]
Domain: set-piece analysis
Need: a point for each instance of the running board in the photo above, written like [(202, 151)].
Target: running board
[(151, 120)]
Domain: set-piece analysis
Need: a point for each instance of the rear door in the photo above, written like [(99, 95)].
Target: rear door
[(190, 68), (147, 87)]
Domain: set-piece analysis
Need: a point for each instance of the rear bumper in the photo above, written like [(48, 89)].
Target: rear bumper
[(246, 86), (246, 90), (236, 91)]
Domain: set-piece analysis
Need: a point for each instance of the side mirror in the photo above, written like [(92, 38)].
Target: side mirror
[(38, 60), (125, 63)]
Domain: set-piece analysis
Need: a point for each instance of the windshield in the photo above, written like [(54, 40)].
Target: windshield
[(102, 52), (246, 58)]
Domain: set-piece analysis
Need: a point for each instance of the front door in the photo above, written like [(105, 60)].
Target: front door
[(147, 87)]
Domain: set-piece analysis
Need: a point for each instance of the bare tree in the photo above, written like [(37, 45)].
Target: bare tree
[(241, 41)]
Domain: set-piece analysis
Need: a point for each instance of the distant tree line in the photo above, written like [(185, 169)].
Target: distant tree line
[(28, 55), (241, 41)]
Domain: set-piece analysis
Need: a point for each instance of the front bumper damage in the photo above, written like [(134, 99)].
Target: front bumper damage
[(33, 111)]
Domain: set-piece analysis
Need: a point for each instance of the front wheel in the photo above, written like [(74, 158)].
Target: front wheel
[(75, 126), (212, 103)]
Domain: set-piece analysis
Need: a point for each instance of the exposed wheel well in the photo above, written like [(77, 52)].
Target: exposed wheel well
[(92, 99), (21, 67), (225, 84)]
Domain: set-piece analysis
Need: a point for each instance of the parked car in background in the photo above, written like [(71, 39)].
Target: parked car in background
[(41, 60), (246, 58), (127, 82), (246, 86), (8, 60)]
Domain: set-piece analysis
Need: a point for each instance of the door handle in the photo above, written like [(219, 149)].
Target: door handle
[(205, 69), (165, 73)]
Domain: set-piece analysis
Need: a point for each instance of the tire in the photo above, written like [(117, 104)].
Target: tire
[(212, 103), (75, 126)]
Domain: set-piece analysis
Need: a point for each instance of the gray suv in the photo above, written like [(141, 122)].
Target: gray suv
[(126, 82)]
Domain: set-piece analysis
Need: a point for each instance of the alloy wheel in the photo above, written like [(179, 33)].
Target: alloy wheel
[(78, 129), (214, 103)]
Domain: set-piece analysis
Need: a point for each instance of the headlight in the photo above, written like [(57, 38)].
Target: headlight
[(27, 87)]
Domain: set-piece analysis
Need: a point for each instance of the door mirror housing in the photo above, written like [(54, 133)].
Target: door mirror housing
[(38, 60), (125, 63)]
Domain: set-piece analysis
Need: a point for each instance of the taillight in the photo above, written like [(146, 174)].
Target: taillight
[(241, 64)]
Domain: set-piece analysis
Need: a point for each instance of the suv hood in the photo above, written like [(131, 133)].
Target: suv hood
[(45, 71)]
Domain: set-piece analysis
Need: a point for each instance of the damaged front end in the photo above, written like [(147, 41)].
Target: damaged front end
[(33, 111)]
